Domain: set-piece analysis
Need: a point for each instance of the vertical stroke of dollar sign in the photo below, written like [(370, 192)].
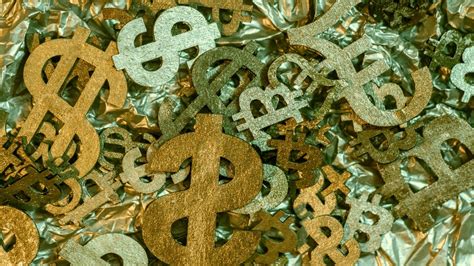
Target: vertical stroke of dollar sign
[(205, 198), (46, 95)]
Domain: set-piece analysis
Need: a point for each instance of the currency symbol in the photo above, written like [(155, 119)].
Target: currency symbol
[(328, 245), (114, 143), (311, 155), (391, 150), (12, 157), (166, 46), (451, 180), (208, 90), (274, 248), (273, 113), (133, 175), (319, 219), (66, 205), (205, 198), (373, 231), (236, 6), (107, 193), (46, 98), (27, 238), (307, 71), (80, 70), (337, 181), (124, 246), (340, 60), (442, 57), (33, 190), (460, 72), (278, 190), (308, 196)]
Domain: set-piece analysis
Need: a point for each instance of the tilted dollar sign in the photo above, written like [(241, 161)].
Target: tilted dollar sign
[(205, 198), (236, 6), (46, 97), (208, 89), (166, 46), (373, 231)]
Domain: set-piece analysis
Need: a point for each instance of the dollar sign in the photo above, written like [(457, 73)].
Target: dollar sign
[(394, 145), (46, 98), (207, 90), (273, 115), (451, 38), (312, 155), (236, 6), (308, 196), (373, 231), (166, 46), (26, 234), (460, 71), (205, 198), (417, 205), (124, 246), (274, 248)]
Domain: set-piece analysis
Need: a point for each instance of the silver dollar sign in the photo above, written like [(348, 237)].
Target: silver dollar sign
[(460, 71), (166, 46)]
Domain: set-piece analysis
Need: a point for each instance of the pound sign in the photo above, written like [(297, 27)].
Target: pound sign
[(46, 97), (166, 46)]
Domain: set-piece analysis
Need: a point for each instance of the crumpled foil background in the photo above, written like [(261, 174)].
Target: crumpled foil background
[(449, 242)]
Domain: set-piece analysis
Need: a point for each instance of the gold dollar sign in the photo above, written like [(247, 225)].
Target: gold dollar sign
[(205, 198), (46, 97)]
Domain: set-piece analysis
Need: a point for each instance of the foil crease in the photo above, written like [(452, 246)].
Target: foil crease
[(449, 242)]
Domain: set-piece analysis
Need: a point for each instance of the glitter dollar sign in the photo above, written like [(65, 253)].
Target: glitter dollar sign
[(166, 46), (460, 72), (47, 99), (205, 197)]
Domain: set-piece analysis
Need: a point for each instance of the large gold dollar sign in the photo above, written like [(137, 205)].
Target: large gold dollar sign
[(46, 97), (205, 198)]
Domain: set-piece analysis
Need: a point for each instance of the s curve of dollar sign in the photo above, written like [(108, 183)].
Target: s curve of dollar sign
[(205, 197), (166, 46), (47, 99)]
